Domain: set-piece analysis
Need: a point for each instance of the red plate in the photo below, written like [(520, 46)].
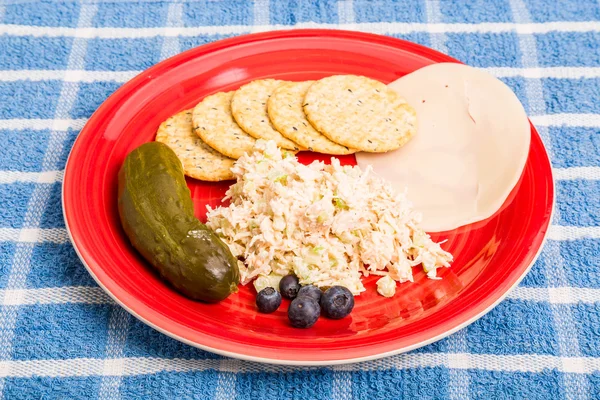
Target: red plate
[(491, 257)]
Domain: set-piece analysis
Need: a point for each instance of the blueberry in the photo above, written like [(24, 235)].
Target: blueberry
[(303, 312), (310, 291), (337, 302), (289, 286), (268, 300)]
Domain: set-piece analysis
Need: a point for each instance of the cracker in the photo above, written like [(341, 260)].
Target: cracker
[(214, 124), (249, 108), (360, 113), (200, 161), (287, 116)]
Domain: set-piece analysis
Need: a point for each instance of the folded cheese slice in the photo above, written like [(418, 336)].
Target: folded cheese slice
[(470, 149)]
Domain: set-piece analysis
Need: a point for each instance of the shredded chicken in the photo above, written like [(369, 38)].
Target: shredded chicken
[(328, 224)]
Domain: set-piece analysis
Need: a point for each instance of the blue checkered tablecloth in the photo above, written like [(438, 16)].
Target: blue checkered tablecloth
[(62, 337)]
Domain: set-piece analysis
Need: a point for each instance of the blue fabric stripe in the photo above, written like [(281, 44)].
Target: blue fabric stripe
[(275, 386), (26, 99), (34, 52), (53, 214), (594, 385), (106, 54), (43, 13), (61, 331), (574, 10), (577, 49), (587, 321), (579, 96), (502, 330), (56, 265), (289, 12), (517, 385), (14, 201), (17, 143), (518, 85), (421, 383), (51, 388), (417, 37), (130, 15), (581, 259), (457, 11), (7, 249), (578, 202), (485, 49), (171, 385), (229, 12), (575, 146), (389, 11), (188, 42), (143, 341), (91, 95)]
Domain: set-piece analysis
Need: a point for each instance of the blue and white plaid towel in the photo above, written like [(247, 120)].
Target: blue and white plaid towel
[(61, 337)]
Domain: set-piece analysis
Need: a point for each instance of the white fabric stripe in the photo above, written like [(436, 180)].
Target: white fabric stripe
[(170, 45), (55, 295), (261, 14), (345, 10), (560, 174), (39, 177), (131, 366), (571, 173), (373, 27), (38, 201), (34, 235), (118, 328), (124, 76), (545, 72), (459, 380), (59, 235), (67, 75), (226, 381), (575, 386), (572, 120), (95, 295), (434, 17), (341, 385), (41, 124), (563, 233), (556, 295)]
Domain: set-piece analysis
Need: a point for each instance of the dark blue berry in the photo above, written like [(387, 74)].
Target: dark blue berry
[(303, 312), (289, 286), (310, 291), (268, 300), (337, 302)]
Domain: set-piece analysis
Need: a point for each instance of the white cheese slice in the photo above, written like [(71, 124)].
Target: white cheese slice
[(470, 149)]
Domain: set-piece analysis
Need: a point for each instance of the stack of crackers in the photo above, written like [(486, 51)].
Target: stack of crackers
[(337, 115)]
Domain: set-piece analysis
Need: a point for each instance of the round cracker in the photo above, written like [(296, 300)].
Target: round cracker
[(249, 108), (287, 116), (200, 161), (214, 124), (360, 113)]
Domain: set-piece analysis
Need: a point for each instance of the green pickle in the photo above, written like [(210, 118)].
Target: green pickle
[(157, 214)]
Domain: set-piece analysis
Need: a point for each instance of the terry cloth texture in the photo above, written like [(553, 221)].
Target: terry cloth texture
[(61, 337)]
